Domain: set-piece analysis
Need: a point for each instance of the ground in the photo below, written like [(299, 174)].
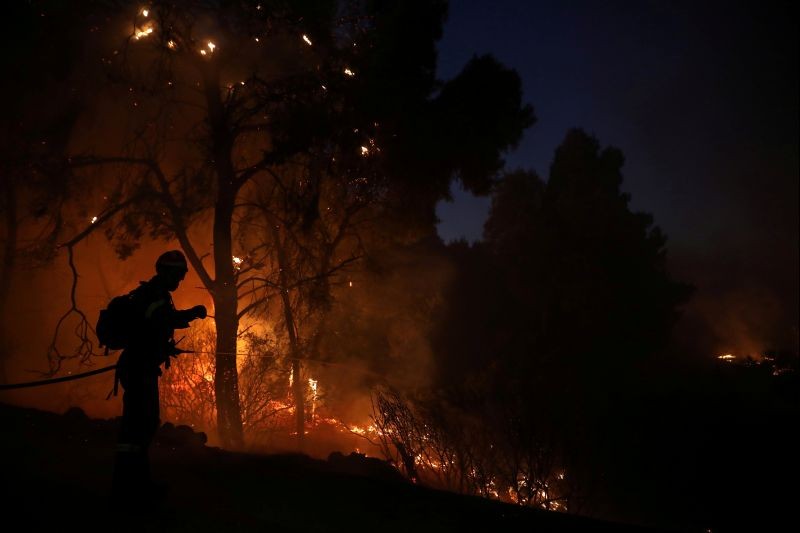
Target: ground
[(57, 468)]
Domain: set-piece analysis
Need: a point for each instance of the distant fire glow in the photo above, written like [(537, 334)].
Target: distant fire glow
[(306, 39), (727, 357), (349, 72)]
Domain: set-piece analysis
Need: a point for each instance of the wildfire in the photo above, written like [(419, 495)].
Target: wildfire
[(94, 219), (312, 383), (237, 262), (145, 12), (727, 357), (363, 430), (172, 45), (306, 39), (364, 151), (349, 72), (211, 46)]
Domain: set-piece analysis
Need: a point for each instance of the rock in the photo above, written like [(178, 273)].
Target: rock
[(170, 435), (76, 414)]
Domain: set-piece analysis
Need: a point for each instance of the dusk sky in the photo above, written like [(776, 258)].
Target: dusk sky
[(701, 97)]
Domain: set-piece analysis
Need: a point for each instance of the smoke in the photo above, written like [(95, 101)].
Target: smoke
[(378, 329)]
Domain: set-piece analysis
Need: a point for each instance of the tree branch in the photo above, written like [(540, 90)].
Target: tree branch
[(178, 227)]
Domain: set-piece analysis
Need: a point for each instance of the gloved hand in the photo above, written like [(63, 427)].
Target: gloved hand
[(199, 311)]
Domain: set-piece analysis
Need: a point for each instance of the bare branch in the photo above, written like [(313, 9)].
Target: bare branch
[(85, 348)]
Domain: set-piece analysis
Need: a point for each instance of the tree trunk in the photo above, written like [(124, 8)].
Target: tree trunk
[(226, 382), (298, 384)]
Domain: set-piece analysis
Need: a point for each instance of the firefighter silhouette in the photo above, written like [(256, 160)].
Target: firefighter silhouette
[(151, 345)]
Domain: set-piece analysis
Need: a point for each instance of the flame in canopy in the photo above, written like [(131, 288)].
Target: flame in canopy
[(141, 33)]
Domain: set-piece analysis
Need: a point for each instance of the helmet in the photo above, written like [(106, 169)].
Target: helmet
[(171, 261)]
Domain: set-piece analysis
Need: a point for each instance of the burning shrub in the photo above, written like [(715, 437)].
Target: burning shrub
[(187, 388), (497, 452), (187, 391)]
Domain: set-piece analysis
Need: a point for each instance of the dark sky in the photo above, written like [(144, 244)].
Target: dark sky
[(702, 97)]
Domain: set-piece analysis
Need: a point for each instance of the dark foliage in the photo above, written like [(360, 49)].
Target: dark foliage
[(556, 311)]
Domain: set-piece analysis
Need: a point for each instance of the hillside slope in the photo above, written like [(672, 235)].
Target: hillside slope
[(57, 469)]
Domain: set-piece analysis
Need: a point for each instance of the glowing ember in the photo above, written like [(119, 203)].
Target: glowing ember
[(306, 39), (350, 283), (211, 46), (144, 32), (349, 72), (94, 219), (172, 45), (727, 357), (364, 150), (145, 12)]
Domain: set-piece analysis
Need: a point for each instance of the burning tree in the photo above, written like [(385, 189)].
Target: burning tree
[(293, 118)]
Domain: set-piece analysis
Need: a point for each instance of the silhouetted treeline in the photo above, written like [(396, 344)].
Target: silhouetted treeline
[(555, 379)]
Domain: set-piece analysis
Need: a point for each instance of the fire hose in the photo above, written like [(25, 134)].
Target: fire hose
[(109, 368), (39, 383), (8, 386)]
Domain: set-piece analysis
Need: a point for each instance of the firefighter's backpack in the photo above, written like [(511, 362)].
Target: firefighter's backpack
[(118, 323)]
